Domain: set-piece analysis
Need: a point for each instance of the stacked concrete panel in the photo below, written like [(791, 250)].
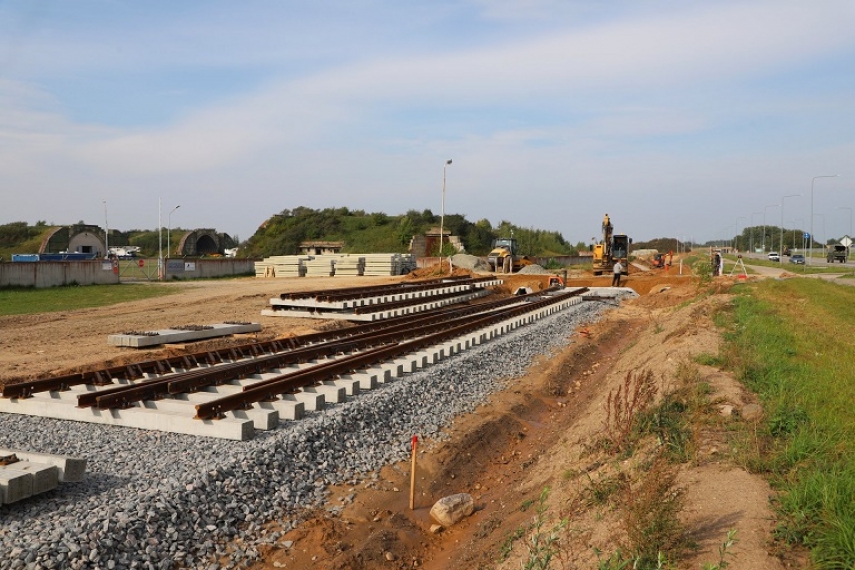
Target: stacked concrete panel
[(349, 265), (167, 336), (281, 266), (389, 264), (33, 473), (319, 266)]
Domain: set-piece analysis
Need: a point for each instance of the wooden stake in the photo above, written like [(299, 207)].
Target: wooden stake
[(413, 475)]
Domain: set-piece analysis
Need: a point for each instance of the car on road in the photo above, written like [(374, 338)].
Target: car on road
[(797, 258), (773, 256)]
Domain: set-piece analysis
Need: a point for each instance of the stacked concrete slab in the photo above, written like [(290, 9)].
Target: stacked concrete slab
[(389, 263), (281, 266), (34, 473), (349, 265), (168, 336), (319, 266)]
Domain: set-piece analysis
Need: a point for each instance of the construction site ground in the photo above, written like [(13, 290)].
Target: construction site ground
[(536, 434)]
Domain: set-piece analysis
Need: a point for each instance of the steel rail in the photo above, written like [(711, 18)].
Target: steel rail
[(380, 288), (162, 366), (192, 380), (134, 371), (124, 396), (328, 298), (189, 381), (271, 388)]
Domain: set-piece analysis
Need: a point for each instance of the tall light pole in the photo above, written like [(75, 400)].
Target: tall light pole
[(823, 226), (751, 239), (159, 239), (764, 223), (812, 180), (106, 232), (781, 250), (442, 216), (169, 230), (850, 218)]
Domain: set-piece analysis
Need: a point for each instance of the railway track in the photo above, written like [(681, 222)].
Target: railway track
[(230, 393)]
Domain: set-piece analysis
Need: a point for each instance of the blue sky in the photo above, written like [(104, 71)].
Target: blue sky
[(678, 118)]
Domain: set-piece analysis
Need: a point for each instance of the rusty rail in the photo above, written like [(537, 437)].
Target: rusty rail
[(271, 388)]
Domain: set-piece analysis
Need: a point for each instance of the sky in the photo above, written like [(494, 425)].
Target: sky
[(678, 118)]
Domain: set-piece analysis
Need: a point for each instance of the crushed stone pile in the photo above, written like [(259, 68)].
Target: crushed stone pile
[(534, 269), (470, 262)]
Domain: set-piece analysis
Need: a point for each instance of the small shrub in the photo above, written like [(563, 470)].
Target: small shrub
[(542, 544), (650, 518), (707, 359), (623, 407), (723, 552)]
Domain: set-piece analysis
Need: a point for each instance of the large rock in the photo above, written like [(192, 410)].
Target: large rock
[(450, 510)]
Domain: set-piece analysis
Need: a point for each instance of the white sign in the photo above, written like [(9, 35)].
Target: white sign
[(189, 266)]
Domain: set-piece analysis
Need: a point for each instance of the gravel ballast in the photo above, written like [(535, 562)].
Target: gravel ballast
[(161, 500)]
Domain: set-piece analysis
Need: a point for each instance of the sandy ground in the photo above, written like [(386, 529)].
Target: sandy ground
[(536, 434)]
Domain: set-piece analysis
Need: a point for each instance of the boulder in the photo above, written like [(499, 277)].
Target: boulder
[(452, 509)]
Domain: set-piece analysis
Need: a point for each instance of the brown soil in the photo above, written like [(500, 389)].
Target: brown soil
[(538, 433)]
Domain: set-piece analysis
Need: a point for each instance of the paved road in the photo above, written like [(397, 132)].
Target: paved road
[(792, 269)]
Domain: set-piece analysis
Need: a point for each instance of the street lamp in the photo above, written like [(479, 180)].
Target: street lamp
[(106, 232), (764, 223), (159, 239), (169, 230), (751, 238), (442, 217), (781, 250), (850, 218), (812, 180), (822, 216)]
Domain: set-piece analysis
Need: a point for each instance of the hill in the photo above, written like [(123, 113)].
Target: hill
[(360, 231), (364, 232)]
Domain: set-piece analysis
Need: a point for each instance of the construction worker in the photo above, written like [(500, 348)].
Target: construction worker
[(618, 269)]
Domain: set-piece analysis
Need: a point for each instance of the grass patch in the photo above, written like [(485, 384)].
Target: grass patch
[(28, 301), (790, 342)]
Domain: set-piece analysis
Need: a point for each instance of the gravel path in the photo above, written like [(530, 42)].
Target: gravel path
[(158, 500)]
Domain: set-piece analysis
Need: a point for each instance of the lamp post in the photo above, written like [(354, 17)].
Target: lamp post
[(106, 232), (822, 216), (169, 231), (159, 239), (751, 238), (850, 218), (812, 180), (442, 216), (781, 250), (764, 224)]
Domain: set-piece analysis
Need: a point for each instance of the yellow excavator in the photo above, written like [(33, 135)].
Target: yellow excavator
[(613, 248)]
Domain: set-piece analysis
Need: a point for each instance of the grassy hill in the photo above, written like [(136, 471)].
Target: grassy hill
[(361, 232), (364, 232), (19, 237)]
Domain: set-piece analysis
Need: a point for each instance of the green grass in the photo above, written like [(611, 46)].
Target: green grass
[(790, 341), (27, 301)]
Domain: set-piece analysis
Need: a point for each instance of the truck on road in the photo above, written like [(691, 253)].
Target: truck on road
[(836, 252)]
